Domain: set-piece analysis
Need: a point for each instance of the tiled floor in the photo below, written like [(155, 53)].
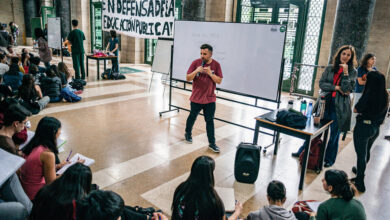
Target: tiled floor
[(143, 157)]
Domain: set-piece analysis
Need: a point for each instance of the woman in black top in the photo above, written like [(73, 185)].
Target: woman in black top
[(371, 108), (196, 197)]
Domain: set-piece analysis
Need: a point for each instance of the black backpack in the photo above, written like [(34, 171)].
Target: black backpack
[(247, 162), (78, 84)]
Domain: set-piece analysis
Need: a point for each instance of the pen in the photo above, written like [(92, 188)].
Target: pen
[(67, 159)]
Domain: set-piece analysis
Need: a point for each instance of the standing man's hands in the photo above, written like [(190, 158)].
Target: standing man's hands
[(207, 70), (199, 69)]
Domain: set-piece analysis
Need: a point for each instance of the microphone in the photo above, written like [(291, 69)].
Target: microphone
[(203, 63)]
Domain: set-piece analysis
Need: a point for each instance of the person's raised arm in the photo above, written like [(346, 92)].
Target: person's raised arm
[(237, 211), (49, 169), (214, 77)]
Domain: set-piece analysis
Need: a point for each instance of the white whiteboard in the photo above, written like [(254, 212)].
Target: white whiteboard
[(250, 54), (54, 33), (162, 58)]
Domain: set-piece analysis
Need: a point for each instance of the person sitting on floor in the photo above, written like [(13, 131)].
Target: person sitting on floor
[(40, 155), (3, 64), (13, 77), (276, 196), (51, 86), (341, 205), (196, 197), (36, 60), (60, 75), (55, 201), (62, 68), (31, 95)]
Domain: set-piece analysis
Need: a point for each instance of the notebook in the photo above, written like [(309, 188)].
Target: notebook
[(73, 160), (9, 164), (227, 197)]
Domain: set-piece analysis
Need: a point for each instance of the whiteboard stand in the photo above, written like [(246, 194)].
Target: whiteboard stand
[(54, 34), (184, 46)]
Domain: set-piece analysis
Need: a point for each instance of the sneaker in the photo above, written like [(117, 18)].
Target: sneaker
[(360, 186), (214, 148), (188, 138), (296, 154), (354, 170), (326, 165)]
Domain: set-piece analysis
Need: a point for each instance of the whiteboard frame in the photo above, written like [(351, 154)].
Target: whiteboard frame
[(277, 98)]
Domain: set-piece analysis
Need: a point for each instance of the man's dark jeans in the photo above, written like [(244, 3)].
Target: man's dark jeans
[(208, 111), (364, 136)]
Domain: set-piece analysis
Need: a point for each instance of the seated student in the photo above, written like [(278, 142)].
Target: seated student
[(341, 205), (3, 64), (196, 197), (36, 61), (34, 70), (40, 154), (15, 119), (100, 205), (55, 201), (5, 91), (276, 195), (25, 62), (31, 95), (105, 205), (59, 74), (62, 68), (13, 77), (51, 86)]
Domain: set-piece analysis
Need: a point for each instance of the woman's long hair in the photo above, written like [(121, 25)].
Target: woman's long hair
[(341, 186), (54, 201), (336, 58), (375, 93), (197, 193), (27, 89), (13, 70), (64, 69), (365, 59), (45, 135)]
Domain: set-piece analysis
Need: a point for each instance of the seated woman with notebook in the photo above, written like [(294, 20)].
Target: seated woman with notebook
[(40, 154), (196, 197)]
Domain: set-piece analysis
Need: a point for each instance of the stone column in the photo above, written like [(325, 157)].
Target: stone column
[(63, 11), (30, 9), (352, 25)]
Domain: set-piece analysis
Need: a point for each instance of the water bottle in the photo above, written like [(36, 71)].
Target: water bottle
[(309, 110), (303, 107), (290, 104)]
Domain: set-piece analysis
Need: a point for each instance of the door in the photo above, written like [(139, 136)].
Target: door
[(96, 26)]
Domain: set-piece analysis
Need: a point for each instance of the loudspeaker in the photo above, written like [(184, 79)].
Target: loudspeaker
[(247, 162)]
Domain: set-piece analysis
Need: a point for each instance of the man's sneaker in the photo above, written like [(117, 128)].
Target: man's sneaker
[(214, 148), (188, 138)]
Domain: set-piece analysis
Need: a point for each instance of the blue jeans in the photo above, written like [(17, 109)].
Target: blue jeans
[(333, 144), (55, 99), (13, 211)]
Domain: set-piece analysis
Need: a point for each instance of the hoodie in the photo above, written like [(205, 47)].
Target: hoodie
[(271, 212), (51, 86)]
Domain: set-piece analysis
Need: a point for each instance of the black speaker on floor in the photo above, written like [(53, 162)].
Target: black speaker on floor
[(247, 163)]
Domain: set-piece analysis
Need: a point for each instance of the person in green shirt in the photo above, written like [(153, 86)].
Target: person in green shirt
[(76, 38), (341, 205)]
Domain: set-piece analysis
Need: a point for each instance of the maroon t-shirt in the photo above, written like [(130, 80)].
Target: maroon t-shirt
[(203, 86)]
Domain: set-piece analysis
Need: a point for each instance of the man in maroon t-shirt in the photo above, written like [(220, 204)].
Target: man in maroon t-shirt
[(204, 73)]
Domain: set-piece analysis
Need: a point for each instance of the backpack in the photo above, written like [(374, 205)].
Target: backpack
[(120, 76), (107, 74), (69, 96), (314, 155), (77, 84)]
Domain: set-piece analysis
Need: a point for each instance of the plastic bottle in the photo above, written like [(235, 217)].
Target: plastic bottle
[(303, 107), (309, 110)]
